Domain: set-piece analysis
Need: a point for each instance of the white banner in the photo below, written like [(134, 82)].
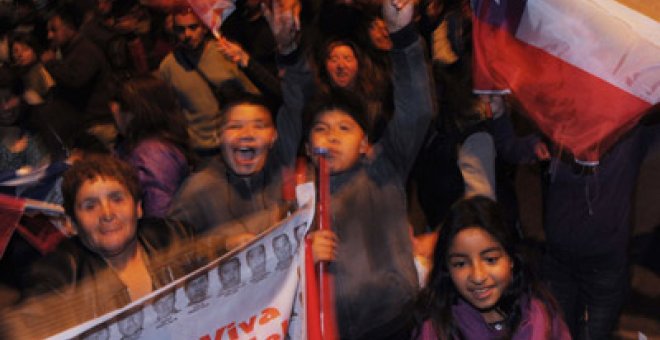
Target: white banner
[(248, 293)]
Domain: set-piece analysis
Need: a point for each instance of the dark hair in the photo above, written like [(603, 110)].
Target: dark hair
[(122, 8), (337, 99), (89, 144), (29, 40), (92, 167), (371, 13), (243, 98), (69, 14), (154, 112), (437, 298)]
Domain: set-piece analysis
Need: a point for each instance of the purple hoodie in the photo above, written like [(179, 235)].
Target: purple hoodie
[(161, 168), (535, 324)]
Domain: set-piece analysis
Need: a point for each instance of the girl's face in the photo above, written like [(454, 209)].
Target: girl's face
[(23, 54), (480, 269)]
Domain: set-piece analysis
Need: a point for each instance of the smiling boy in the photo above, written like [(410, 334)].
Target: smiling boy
[(239, 194)]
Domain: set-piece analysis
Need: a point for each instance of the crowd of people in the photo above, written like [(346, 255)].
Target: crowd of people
[(170, 136)]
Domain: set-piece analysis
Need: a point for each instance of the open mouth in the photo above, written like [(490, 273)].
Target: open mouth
[(482, 293), (245, 154)]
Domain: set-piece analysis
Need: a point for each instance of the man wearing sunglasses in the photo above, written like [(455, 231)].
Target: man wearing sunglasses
[(198, 72)]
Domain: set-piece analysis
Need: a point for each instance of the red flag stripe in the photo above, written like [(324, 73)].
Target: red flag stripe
[(574, 108), (11, 210)]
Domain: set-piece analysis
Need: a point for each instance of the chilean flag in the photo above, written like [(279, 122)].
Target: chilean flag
[(213, 12), (37, 228), (585, 71), (11, 210)]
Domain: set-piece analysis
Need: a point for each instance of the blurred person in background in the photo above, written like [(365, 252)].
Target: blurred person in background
[(81, 75), (199, 74), (20, 150), (154, 139), (36, 81)]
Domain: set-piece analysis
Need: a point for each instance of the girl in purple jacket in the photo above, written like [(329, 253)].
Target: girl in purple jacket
[(154, 139), (481, 286)]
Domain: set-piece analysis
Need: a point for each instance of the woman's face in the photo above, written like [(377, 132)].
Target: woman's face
[(480, 268), (342, 66), (106, 217), (379, 35), (23, 54)]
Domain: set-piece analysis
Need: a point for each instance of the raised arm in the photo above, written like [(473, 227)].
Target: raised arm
[(413, 101), (263, 79), (283, 18)]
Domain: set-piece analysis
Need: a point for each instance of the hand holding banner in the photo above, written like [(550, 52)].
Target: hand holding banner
[(247, 293)]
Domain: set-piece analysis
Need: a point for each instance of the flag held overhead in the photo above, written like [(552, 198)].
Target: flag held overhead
[(584, 71), (213, 12)]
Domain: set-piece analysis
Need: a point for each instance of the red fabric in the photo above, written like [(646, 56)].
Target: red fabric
[(326, 278), (575, 109), (165, 5), (40, 233), (11, 210), (312, 308), (320, 304), (212, 12)]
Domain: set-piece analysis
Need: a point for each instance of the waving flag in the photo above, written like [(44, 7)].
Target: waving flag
[(585, 71), (213, 12), (11, 210), (36, 227)]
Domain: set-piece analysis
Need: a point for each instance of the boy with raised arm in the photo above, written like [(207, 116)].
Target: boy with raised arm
[(370, 247)]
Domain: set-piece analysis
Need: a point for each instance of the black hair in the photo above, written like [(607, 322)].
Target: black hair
[(337, 99), (122, 8), (70, 14), (29, 40), (154, 112), (89, 144), (437, 299), (244, 98)]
